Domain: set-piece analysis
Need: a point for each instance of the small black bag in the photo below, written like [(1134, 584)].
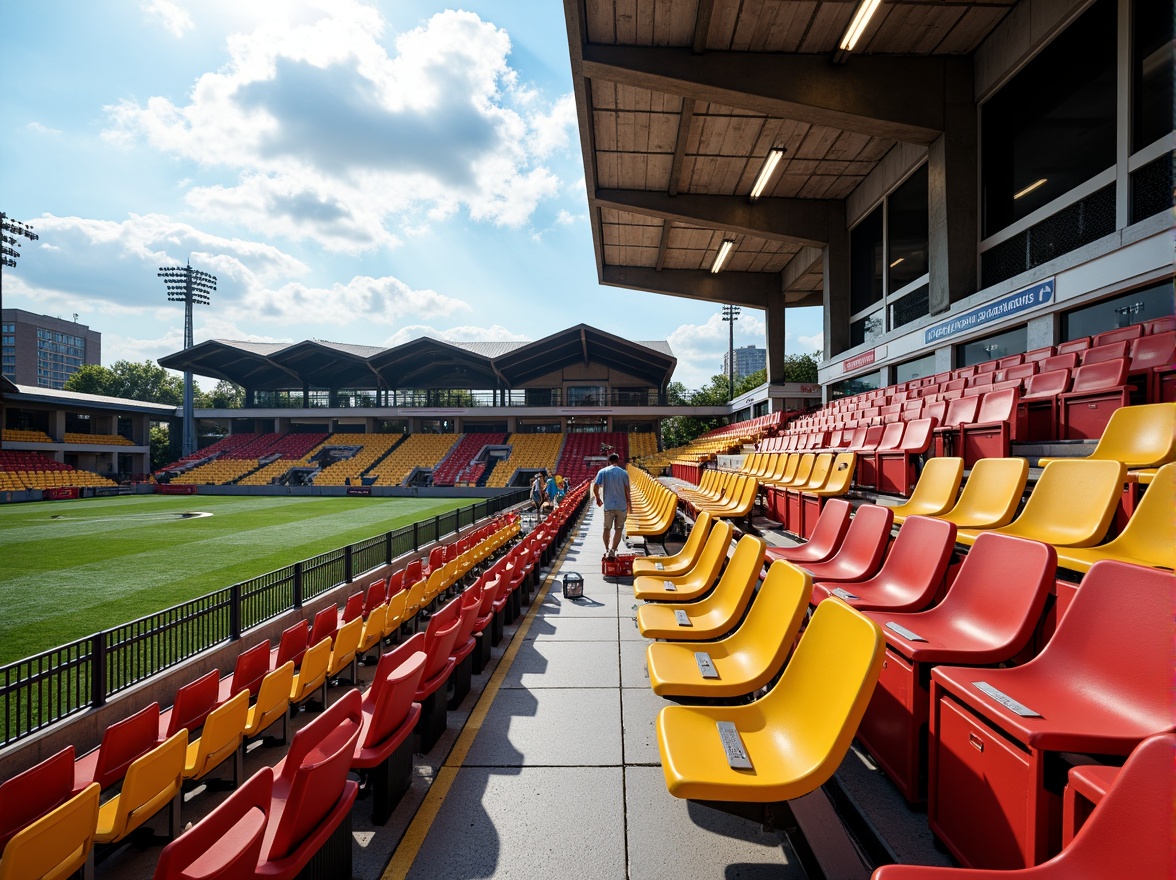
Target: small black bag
[(573, 585)]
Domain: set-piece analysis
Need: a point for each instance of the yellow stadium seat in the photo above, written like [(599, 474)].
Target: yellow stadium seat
[(991, 495), (373, 629), (1071, 505), (698, 580), (344, 649), (220, 738), (273, 701), (153, 781), (57, 844), (936, 491), (717, 613), (1149, 537), (312, 674), (750, 657), (1139, 436), (797, 734), (681, 561)]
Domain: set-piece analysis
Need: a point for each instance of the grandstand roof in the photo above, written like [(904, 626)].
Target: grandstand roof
[(36, 394), (678, 110), (421, 363)]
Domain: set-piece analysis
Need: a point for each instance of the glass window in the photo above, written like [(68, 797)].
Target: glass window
[(856, 385), (906, 227), (1015, 341), (1145, 304), (865, 262), (1151, 72), (866, 329), (916, 369), (1052, 126)]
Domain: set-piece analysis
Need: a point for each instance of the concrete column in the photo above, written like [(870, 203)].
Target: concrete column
[(775, 326), (57, 421), (1040, 332), (836, 286), (943, 359), (952, 196)]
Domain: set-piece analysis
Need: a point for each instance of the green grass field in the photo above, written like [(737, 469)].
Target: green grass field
[(71, 568)]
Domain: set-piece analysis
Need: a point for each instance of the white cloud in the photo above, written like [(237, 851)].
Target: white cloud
[(463, 333), (362, 299), (699, 348), (567, 218), (331, 137), (174, 18), (39, 128), (815, 343)]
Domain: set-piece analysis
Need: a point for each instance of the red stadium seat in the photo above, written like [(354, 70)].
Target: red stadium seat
[(352, 610), (860, 554), (1128, 835), (464, 645), (292, 645), (122, 743), (988, 617), (1121, 334), (311, 805), (28, 796), (961, 411), (895, 468), (251, 667), (1097, 390), (225, 844), (192, 704), (1149, 355), (826, 537), (1108, 352), (1037, 408), (911, 575), (1039, 354), (1160, 325), (990, 436), (1101, 685), (326, 622), (1073, 346), (888, 440), (384, 747), (1065, 361), (439, 639), (377, 594)]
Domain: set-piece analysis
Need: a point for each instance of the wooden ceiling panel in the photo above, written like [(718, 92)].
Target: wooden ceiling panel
[(657, 170), (817, 141), (975, 24), (724, 19), (770, 26), (663, 132), (692, 238), (673, 22), (645, 258), (601, 22), (827, 26), (627, 218), (625, 17), (916, 29)]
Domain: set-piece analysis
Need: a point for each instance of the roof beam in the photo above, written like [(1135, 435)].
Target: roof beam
[(751, 289), (803, 220), (900, 97), (684, 120), (702, 20)]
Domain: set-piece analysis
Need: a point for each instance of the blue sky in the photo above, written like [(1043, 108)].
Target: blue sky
[(363, 172)]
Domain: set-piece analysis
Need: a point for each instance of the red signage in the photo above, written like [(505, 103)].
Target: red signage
[(858, 361)]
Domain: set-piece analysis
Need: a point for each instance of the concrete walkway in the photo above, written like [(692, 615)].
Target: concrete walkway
[(563, 778)]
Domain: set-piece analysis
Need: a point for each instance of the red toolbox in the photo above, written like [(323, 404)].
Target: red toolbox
[(619, 566)]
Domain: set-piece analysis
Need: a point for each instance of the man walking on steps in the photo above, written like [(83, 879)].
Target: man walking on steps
[(611, 490)]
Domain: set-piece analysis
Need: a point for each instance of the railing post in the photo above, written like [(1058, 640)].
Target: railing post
[(416, 540), (297, 584), (234, 612), (437, 527), (348, 564), (98, 669), (387, 548)]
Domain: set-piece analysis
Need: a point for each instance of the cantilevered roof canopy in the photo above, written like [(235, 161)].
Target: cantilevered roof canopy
[(680, 101), (421, 363)]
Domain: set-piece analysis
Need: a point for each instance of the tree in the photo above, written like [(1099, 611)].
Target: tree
[(801, 368), (160, 446), (226, 395), (146, 382)]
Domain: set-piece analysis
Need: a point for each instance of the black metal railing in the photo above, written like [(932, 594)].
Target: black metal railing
[(45, 688)]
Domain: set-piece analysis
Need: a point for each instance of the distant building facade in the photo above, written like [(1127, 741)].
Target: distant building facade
[(44, 351), (748, 360)]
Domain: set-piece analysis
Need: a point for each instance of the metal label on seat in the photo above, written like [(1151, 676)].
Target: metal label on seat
[(705, 665), (737, 757), (659, 566), (1006, 701), (904, 632), (843, 594), (682, 617), (670, 585)]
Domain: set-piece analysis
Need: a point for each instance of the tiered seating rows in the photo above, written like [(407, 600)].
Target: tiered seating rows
[(458, 466), (31, 470)]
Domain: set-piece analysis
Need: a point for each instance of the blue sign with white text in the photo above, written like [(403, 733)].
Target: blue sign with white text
[(1029, 298)]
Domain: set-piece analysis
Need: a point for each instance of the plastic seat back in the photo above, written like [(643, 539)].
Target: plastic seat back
[(766, 636), (819, 475), (991, 495), (1065, 361), (916, 562), (690, 549), (1109, 352), (314, 773), (219, 738), (1150, 534), (917, 436), (827, 535), (438, 648), (936, 490), (325, 624), (891, 437), (1099, 376), (960, 411), (1131, 331), (313, 672), (394, 615), (862, 550), (840, 474), (869, 439), (1073, 346), (1158, 350), (1021, 372), (377, 594), (250, 668), (293, 644), (273, 699), (936, 410), (353, 609), (1139, 436), (711, 559), (122, 743), (394, 698), (826, 686), (1049, 384), (1051, 514), (346, 644), (996, 406), (152, 781), (225, 844), (29, 795), (57, 844)]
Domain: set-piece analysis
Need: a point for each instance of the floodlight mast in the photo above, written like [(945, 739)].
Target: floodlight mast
[(11, 233), (191, 287), (730, 316)]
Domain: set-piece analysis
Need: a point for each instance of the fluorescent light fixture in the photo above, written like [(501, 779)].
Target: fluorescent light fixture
[(1029, 188), (766, 171), (896, 262), (860, 19), (725, 249)]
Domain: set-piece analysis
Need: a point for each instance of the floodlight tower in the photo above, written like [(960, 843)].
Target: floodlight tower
[(11, 233), (191, 287), (731, 315)]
